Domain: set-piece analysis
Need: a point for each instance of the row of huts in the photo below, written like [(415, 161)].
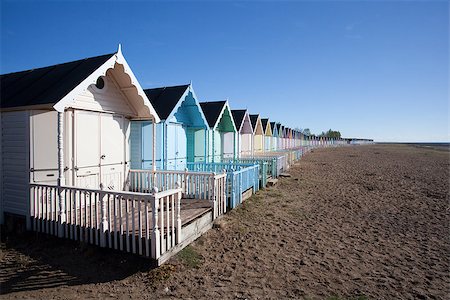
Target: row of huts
[(89, 155)]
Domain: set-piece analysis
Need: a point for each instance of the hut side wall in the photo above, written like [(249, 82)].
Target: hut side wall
[(15, 143)]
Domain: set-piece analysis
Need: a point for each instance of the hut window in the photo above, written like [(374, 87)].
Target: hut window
[(100, 84)]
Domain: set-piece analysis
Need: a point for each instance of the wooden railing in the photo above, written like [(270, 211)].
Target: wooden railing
[(207, 186), (281, 160), (239, 177), (267, 167), (141, 223)]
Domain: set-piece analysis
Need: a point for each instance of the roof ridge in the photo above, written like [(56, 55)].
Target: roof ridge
[(54, 65)]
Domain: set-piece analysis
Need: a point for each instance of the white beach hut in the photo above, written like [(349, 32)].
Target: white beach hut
[(68, 125)]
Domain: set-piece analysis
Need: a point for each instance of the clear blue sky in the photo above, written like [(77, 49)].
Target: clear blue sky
[(374, 69)]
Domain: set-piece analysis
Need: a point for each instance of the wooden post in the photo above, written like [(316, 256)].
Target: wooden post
[(153, 152), (61, 179), (213, 148), (213, 195), (155, 240), (186, 189), (104, 225), (179, 236)]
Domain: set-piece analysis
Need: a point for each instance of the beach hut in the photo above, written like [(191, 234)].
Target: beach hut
[(65, 162), (279, 136), (180, 136), (258, 134), (283, 138), (274, 138), (222, 131), (245, 132), (68, 125), (267, 134), (290, 138)]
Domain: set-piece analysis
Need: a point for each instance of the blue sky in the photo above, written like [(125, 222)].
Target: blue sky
[(372, 69)]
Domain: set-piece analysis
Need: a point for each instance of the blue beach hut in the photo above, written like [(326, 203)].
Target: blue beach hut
[(179, 135)]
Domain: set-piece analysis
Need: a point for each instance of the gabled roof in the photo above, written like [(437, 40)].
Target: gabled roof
[(164, 99), (46, 85), (212, 111), (264, 123), (254, 119), (238, 117), (272, 126), (57, 87)]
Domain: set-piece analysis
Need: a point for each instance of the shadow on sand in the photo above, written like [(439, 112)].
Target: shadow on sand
[(32, 262)]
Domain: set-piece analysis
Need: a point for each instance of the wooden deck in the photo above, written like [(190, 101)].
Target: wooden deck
[(190, 210), (86, 218)]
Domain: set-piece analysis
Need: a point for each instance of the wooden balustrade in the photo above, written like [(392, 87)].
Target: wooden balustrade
[(140, 223), (207, 186)]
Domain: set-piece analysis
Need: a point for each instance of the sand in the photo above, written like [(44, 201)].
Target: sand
[(358, 222)]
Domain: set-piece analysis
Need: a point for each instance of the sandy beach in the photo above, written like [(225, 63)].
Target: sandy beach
[(364, 222)]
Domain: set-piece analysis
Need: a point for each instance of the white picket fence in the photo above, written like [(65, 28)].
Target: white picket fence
[(141, 223)]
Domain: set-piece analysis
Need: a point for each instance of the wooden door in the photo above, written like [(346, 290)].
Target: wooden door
[(171, 147), (147, 145), (113, 130), (99, 150), (44, 152), (200, 141), (86, 149), (180, 147)]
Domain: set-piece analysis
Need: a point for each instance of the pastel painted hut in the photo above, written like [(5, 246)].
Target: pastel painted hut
[(222, 131), (283, 137), (290, 138), (245, 137), (258, 134), (274, 138), (65, 162), (180, 136), (267, 134), (68, 125), (279, 136)]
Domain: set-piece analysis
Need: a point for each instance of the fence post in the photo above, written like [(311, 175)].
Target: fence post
[(186, 190), (213, 196), (224, 196), (61, 179), (241, 189), (104, 225), (179, 237), (155, 241)]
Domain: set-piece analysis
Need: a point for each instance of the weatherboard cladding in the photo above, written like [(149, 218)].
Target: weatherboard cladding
[(212, 111), (46, 85), (238, 116), (164, 99)]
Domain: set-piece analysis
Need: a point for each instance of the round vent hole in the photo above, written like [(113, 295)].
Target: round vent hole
[(100, 83)]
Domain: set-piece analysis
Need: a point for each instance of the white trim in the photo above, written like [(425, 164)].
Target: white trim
[(226, 105), (177, 106), (258, 120), (118, 58)]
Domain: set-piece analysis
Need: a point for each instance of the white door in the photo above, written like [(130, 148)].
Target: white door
[(99, 150), (86, 149), (44, 154), (112, 148)]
